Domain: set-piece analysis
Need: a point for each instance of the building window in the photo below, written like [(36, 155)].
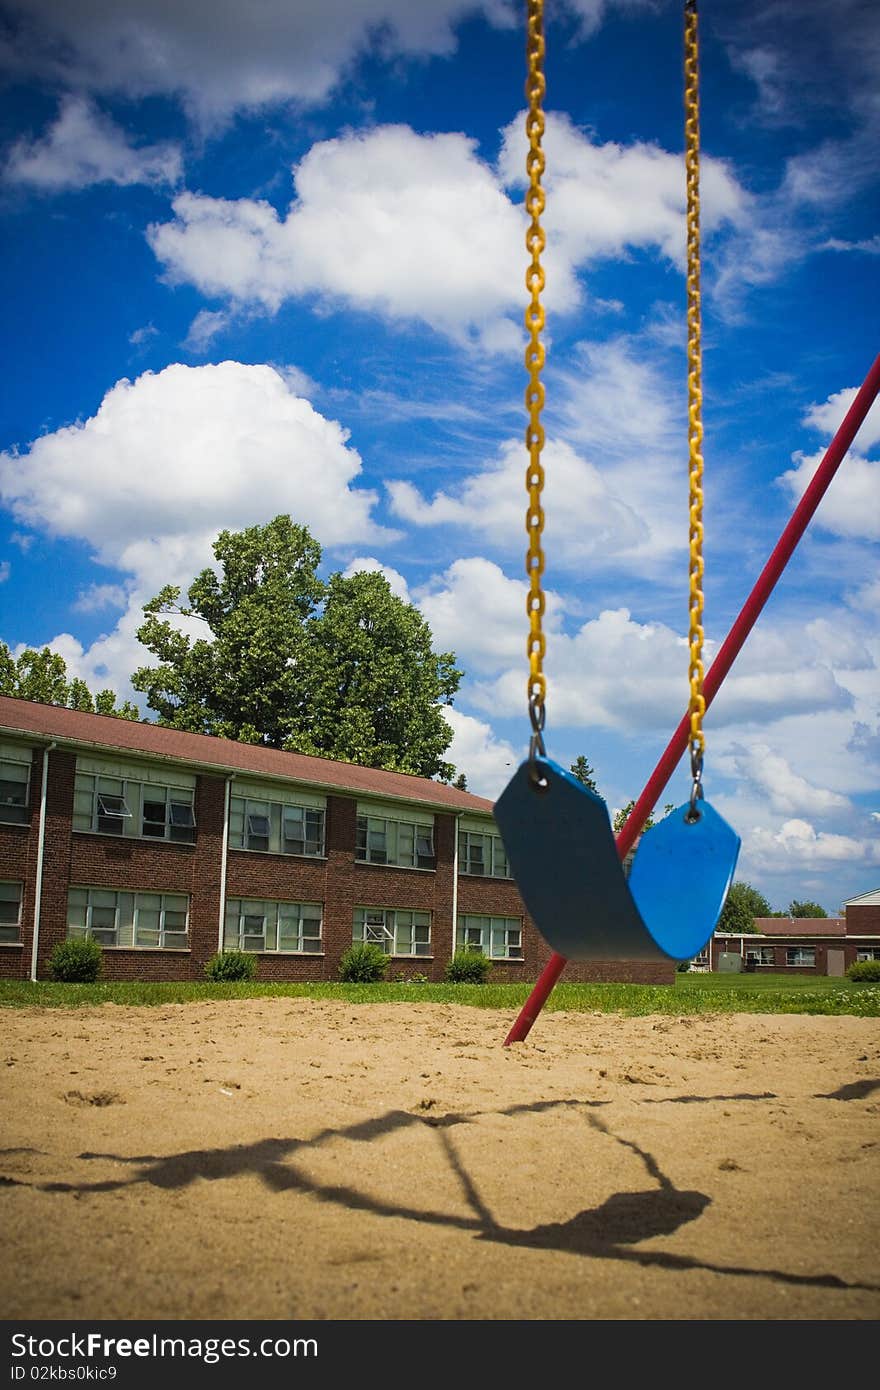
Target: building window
[(111, 918), (800, 955), (10, 911), (482, 853), (499, 938), (408, 845), (256, 924), (124, 806), (276, 827), (868, 953), (762, 955), (15, 781), (397, 931)]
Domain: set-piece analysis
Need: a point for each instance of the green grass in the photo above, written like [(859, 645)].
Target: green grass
[(691, 994)]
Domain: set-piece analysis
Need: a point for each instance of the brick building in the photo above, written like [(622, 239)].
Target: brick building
[(804, 945), (165, 846)]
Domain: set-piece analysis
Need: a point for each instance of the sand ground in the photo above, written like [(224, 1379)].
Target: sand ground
[(299, 1159)]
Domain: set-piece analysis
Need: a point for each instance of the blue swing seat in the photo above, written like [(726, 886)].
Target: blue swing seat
[(562, 854)]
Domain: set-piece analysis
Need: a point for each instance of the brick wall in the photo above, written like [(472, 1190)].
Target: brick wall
[(338, 881)]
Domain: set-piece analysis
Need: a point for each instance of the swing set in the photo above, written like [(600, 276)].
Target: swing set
[(557, 833)]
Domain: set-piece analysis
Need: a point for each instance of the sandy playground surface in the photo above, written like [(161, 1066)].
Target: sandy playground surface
[(298, 1159)]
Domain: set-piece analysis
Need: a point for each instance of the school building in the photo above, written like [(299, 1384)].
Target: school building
[(165, 847)]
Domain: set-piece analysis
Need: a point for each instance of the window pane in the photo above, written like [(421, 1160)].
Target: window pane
[(9, 908), (182, 814), (154, 818)]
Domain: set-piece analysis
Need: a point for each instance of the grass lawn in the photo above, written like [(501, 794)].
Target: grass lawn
[(691, 994)]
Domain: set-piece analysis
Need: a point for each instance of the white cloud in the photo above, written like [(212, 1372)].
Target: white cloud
[(798, 844), (605, 199), (408, 226), (172, 458), (368, 564), (783, 789), (477, 612), (418, 227), (828, 416), (615, 672), (143, 335), (5, 570), (100, 596), (84, 147), (851, 506), (219, 58), (487, 762), (585, 519), (204, 329)]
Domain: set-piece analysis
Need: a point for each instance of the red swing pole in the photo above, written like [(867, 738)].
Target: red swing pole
[(727, 654)]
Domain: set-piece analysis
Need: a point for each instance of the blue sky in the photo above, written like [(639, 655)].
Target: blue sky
[(269, 258)]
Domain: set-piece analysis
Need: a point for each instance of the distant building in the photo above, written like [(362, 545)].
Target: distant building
[(804, 945)]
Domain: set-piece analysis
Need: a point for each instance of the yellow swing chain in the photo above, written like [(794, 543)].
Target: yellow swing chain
[(697, 705), (536, 242)]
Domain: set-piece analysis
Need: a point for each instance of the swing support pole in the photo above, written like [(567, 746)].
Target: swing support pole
[(727, 654)]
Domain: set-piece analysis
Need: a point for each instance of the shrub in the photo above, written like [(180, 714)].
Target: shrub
[(231, 965), (864, 970), (468, 968), (80, 961), (683, 966), (363, 963)]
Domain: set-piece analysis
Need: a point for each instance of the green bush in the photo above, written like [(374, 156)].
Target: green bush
[(79, 961), (864, 970), (231, 965), (683, 967), (363, 963), (468, 968)]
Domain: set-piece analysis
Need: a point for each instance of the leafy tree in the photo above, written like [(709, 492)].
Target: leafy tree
[(744, 903), (376, 684), (42, 676), (622, 816), (805, 909), (582, 770), (461, 782), (342, 669)]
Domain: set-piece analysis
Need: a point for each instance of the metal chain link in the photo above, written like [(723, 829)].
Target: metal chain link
[(535, 356), (697, 705)]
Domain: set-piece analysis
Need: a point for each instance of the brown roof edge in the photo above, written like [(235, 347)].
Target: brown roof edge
[(103, 731)]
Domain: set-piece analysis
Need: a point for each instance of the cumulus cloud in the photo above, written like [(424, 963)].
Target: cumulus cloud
[(827, 416), (368, 564), (408, 226), (783, 789), (613, 671), (798, 844), (97, 597), (605, 199), (172, 458), (84, 147), (221, 58), (851, 506), (418, 227), (476, 611), (585, 519), (487, 762)]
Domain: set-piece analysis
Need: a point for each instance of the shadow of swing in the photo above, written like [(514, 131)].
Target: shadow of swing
[(609, 1231)]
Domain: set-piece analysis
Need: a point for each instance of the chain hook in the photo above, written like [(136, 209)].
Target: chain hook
[(692, 815), (537, 715)]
